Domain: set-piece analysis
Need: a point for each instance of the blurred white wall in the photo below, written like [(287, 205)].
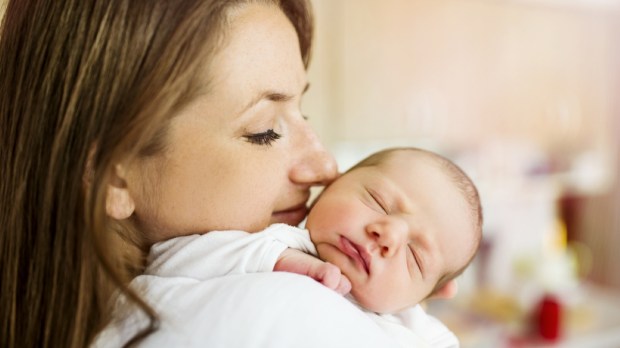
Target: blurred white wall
[(462, 72)]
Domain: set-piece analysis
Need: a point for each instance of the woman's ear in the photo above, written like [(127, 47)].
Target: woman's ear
[(447, 291), (119, 204)]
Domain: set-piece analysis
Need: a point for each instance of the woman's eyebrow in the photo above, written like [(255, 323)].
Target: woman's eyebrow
[(271, 95)]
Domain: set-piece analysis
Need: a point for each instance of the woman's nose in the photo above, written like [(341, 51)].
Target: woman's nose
[(389, 235), (314, 164)]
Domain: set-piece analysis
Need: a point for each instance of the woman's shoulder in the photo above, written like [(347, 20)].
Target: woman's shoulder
[(255, 310)]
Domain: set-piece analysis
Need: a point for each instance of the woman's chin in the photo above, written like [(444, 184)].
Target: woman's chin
[(290, 217)]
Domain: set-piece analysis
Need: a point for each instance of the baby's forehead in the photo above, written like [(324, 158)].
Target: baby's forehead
[(412, 167), (405, 159)]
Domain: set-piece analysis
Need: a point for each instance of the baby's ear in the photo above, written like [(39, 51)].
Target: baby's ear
[(447, 291), (119, 203)]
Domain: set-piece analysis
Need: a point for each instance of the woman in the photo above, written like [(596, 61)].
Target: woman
[(128, 122)]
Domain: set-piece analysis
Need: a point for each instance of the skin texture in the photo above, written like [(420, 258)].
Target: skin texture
[(241, 155), (395, 228)]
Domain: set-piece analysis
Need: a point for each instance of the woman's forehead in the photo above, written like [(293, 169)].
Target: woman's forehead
[(261, 54)]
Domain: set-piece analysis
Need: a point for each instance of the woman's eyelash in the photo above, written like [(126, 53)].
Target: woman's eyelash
[(264, 138)]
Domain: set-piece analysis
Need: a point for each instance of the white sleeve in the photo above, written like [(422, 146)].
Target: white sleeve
[(293, 237), (221, 253)]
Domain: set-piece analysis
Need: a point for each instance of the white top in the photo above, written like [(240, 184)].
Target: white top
[(207, 294)]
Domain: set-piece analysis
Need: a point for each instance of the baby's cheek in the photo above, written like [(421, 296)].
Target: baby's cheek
[(371, 298), (392, 293)]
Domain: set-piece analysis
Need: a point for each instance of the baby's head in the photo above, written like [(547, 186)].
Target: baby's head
[(401, 225)]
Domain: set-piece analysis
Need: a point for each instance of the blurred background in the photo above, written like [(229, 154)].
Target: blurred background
[(523, 94)]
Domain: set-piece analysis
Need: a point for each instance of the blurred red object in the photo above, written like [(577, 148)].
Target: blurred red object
[(549, 318)]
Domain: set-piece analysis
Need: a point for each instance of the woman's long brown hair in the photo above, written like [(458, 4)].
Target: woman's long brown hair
[(85, 85)]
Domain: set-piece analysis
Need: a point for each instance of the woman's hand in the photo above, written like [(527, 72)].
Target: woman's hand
[(295, 261)]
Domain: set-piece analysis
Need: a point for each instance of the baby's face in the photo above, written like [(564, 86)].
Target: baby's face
[(394, 230)]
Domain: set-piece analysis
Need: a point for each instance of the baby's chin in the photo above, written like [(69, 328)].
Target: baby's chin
[(378, 302)]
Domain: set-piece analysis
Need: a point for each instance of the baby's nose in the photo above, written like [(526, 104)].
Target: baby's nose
[(390, 236)]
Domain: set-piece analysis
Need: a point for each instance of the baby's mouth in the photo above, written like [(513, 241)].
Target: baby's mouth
[(354, 251)]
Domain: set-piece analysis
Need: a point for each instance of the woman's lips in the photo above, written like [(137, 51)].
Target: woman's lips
[(292, 216), (359, 256)]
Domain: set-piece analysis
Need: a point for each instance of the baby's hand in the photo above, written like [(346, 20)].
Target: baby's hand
[(295, 261), (330, 276)]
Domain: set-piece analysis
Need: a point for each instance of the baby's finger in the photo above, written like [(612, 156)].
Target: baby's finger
[(329, 275), (344, 286)]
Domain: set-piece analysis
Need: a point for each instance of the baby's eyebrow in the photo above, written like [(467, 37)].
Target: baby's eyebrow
[(401, 202)]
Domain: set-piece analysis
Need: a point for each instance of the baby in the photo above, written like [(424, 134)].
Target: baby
[(403, 222), (394, 230)]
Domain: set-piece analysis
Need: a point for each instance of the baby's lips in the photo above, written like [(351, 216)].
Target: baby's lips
[(353, 251), (366, 256)]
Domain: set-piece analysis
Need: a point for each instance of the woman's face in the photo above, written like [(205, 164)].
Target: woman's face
[(241, 155)]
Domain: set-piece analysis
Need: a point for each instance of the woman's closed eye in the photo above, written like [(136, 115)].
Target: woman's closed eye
[(265, 138)]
